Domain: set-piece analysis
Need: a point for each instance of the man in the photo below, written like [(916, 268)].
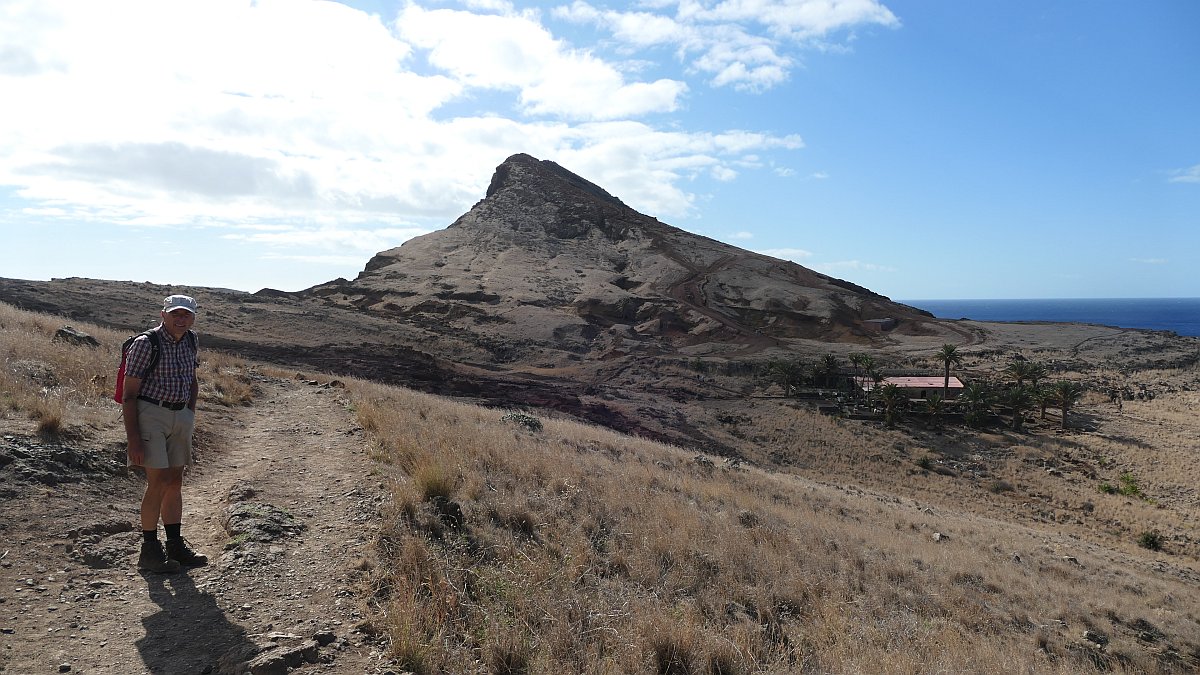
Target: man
[(159, 407)]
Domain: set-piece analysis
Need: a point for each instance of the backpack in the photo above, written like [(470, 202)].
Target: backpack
[(119, 391)]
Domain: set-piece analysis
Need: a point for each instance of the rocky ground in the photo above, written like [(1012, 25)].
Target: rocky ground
[(280, 501)]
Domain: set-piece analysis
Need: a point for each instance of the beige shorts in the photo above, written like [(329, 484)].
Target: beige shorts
[(166, 435)]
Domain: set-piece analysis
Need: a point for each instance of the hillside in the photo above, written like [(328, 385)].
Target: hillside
[(551, 269), (411, 532)]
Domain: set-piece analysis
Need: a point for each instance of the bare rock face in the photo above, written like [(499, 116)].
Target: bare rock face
[(550, 260)]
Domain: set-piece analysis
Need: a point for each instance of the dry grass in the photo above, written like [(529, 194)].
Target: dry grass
[(65, 390), (59, 387), (580, 550), (224, 380)]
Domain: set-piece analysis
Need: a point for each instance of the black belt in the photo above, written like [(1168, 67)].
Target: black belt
[(169, 405)]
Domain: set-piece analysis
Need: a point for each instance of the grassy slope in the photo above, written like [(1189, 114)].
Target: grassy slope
[(575, 549), (583, 551)]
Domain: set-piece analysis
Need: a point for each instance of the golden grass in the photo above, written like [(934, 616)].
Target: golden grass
[(57, 386), (224, 380), (64, 389), (584, 551)]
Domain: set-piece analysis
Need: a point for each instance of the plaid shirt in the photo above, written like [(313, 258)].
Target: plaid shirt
[(171, 380)]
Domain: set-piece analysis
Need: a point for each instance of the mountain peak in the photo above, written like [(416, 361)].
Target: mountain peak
[(522, 171), (549, 267)]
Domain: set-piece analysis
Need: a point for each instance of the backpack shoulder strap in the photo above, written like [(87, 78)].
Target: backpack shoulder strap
[(154, 349)]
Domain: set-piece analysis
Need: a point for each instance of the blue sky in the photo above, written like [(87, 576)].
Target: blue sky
[(984, 149)]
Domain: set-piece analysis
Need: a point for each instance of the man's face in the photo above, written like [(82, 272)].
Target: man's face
[(178, 322)]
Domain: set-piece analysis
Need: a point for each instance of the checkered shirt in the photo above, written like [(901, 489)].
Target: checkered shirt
[(171, 380)]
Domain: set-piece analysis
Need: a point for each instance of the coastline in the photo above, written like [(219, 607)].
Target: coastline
[(1177, 315)]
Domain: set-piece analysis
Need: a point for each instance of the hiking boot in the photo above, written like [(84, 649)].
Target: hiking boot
[(178, 549), (154, 559)]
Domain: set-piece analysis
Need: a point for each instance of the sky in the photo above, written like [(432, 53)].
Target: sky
[(924, 150)]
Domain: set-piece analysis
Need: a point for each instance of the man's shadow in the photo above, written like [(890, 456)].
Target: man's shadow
[(190, 633)]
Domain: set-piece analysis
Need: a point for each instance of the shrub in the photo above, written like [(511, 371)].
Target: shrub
[(521, 419), (49, 422), (1151, 539), (434, 480), (999, 486), (1129, 486), (1108, 488)]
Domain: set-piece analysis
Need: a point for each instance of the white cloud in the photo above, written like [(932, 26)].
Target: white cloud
[(316, 130), (738, 43), (851, 265), (742, 235), (794, 18), (369, 241), (793, 254), (516, 52), (1189, 175), (1149, 261), (724, 173)]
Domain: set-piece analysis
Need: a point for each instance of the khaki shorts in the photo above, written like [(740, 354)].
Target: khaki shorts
[(166, 435)]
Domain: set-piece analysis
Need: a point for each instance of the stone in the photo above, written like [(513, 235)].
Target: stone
[(72, 336)]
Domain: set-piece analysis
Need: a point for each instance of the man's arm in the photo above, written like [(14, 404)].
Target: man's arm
[(129, 411), (193, 394)]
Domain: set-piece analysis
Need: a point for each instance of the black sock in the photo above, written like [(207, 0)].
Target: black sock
[(172, 530), (149, 536)]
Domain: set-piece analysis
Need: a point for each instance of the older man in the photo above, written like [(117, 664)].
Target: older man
[(159, 407)]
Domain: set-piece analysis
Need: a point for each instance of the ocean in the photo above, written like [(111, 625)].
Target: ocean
[(1181, 315)]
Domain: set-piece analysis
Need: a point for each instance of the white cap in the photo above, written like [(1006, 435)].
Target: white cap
[(174, 302)]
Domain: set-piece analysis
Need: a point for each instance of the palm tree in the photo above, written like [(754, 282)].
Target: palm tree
[(935, 405), (1036, 372), (1065, 394), (829, 369), (1044, 396), (948, 355), (864, 368), (1018, 370), (893, 399), (856, 360), (976, 400), (789, 374), (1020, 398)]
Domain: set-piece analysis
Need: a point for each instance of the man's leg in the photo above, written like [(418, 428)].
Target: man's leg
[(172, 517), (158, 498), (171, 509), (153, 558)]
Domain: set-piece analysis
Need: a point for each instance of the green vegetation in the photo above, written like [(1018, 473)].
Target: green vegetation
[(948, 356), (1151, 539), (1065, 394), (523, 420)]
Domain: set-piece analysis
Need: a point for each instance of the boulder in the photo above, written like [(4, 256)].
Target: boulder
[(76, 337)]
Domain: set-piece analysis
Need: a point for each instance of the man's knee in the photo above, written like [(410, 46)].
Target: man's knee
[(164, 479)]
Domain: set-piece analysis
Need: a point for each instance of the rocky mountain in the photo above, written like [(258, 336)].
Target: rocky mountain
[(550, 265), (549, 293)]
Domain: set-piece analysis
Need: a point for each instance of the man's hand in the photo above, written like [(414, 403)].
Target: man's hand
[(135, 451)]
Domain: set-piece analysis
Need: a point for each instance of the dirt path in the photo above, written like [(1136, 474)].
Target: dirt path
[(284, 590)]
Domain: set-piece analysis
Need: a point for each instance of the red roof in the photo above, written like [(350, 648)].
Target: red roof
[(917, 382)]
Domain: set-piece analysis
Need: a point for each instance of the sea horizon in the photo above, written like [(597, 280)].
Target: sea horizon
[(1178, 315)]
